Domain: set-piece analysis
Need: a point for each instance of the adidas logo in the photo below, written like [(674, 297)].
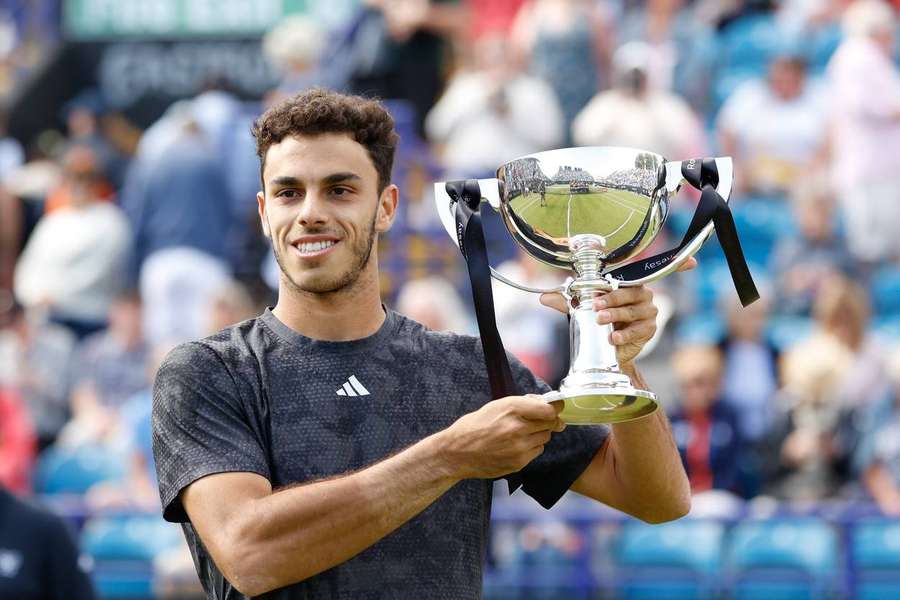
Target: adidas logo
[(352, 387)]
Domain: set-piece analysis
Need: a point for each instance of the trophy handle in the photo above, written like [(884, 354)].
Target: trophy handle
[(674, 180), (490, 193)]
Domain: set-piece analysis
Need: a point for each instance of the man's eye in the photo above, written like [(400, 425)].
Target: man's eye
[(288, 194), (340, 191)]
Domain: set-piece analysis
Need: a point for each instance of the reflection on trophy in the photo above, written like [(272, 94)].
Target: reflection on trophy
[(592, 211)]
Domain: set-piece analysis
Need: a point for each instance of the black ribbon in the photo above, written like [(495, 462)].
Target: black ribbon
[(470, 234), (704, 176)]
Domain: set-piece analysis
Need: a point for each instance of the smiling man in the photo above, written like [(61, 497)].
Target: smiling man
[(332, 448)]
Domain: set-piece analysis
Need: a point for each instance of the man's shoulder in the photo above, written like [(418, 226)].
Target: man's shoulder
[(226, 347)]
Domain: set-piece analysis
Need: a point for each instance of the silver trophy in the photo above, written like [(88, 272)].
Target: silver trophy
[(590, 211)]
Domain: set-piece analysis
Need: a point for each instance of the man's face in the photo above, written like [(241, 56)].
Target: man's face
[(321, 208)]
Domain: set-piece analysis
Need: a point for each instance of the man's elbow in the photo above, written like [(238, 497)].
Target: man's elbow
[(670, 510)]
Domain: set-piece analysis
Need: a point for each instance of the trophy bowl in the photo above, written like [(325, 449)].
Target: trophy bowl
[(591, 211)]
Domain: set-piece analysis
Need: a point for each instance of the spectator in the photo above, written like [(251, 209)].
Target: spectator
[(82, 116), (865, 94), (488, 114), (433, 302), (634, 114), (178, 204), (76, 258), (40, 556), (12, 156), (113, 363), (802, 264), (745, 349), (567, 44), (881, 457), (704, 427), (681, 47), (774, 129), (232, 304), (399, 50), (17, 443), (35, 359)]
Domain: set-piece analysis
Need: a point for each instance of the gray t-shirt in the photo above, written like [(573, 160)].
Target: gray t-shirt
[(260, 397)]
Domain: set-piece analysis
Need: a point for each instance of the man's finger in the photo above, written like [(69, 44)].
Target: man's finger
[(627, 314), (623, 297), (535, 408), (635, 332), (687, 265), (556, 301)]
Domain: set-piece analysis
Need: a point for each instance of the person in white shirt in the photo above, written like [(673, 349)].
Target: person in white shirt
[(493, 113), (76, 258), (864, 87), (774, 128), (635, 114)]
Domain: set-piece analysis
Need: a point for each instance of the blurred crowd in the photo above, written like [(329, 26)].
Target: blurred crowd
[(117, 243)]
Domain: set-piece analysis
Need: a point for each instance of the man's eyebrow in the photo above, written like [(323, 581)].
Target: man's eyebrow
[(340, 177), (284, 181)]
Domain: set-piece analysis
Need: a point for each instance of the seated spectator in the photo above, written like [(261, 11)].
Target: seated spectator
[(745, 349), (40, 555), (830, 381), (568, 44), (76, 258), (864, 90), (17, 443), (881, 457), (802, 264), (704, 427), (487, 116), (232, 304), (435, 303), (774, 129), (35, 361), (634, 114)]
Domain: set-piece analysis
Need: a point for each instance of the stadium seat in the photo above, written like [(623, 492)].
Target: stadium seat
[(701, 328), (783, 559), (885, 291), (875, 555), (671, 561), (65, 471), (123, 549), (747, 44)]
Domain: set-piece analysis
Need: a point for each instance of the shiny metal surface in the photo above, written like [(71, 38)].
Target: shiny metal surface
[(588, 211), (617, 195)]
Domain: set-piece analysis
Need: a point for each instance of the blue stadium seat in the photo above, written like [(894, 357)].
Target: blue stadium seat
[(62, 471), (783, 559), (885, 291), (747, 43), (123, 549), (761, 223), (701, 328), (671, 561), (875, 555)]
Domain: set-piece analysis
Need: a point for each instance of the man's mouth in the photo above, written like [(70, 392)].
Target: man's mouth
[(313, 248)]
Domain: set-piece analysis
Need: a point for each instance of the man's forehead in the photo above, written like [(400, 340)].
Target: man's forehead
[(315, 157)]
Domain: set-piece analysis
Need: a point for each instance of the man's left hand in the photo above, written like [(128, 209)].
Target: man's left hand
[(631, 312)]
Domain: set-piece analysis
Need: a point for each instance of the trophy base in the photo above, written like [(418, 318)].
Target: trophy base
[(594, 404)]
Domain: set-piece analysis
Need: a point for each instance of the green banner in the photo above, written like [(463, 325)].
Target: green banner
[(142, 19)]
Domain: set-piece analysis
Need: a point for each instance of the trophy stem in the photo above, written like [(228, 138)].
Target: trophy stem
[(589, 342)]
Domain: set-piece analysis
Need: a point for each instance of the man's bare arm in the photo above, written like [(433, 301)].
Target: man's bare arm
[(638, 470), (263, 540)]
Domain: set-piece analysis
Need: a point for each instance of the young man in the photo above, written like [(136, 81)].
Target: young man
[(331, 448)]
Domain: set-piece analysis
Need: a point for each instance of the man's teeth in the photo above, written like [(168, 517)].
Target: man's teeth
[(308, 247)]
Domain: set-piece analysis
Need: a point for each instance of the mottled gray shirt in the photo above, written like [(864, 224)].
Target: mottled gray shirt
[(259, 397)]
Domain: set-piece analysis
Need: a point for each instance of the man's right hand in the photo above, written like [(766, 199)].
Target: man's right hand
[(500, 438)]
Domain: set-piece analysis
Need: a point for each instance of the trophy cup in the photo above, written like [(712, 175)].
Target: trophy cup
[(591, 211)]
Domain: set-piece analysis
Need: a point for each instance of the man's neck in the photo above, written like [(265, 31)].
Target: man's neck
[(349, 314)]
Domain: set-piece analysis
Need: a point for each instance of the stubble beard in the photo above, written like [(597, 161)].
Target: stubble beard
[(362, 251)]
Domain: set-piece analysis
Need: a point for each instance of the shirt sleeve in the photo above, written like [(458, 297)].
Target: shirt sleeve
[(200, 425), (565, 456)]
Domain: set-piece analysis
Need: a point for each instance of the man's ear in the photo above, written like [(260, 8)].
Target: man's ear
[(261, 207), (387, 208)]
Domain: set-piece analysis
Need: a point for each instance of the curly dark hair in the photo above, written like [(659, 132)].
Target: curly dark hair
[(318, 111)]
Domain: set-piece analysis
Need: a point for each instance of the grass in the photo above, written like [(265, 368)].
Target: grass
[(614, 214)]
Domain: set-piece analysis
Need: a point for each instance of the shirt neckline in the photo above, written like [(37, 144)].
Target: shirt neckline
[(386, 331)]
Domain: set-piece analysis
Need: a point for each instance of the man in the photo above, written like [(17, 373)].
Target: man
[(334, 449)]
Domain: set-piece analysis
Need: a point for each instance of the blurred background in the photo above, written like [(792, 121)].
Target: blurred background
[(128, 224)]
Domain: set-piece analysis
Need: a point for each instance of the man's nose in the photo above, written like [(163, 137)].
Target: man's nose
[(313, 210)]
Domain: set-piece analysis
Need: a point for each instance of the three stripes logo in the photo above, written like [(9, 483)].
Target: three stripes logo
[(352, 387)]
